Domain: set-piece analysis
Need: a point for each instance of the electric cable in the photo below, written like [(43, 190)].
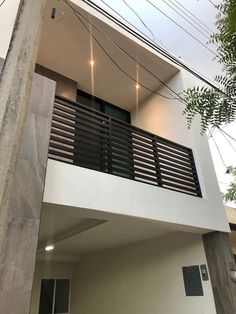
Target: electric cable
[(180, 26), (151, 44), (216, 6), (212, 3), (117, 13), (78, 15), (112, 60), (135, 80), (131, 58), (163, 52), (194, 16), (227, 134), (177, 13), (211, 132), (139, 17), (200, 31), (2, 3), (221, 157), (228, 141)]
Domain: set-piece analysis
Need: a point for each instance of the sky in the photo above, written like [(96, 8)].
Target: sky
[(177, 41)]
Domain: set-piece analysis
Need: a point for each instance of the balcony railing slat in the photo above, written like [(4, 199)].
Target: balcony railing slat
[(174, 151), (187, 164), (85, 137), (177, 175)]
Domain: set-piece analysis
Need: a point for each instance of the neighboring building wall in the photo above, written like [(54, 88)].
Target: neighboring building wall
[(144, 277)]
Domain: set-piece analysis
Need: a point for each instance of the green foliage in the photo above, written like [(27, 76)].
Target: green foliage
[(217, 107), (230, 195)]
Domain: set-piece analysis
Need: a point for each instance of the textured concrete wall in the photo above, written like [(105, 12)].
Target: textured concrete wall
[(17, 232), (64, 86), (18, 258), (1, 64), (220, 263)]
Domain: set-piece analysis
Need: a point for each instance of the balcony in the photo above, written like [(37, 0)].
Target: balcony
[(88, 138)]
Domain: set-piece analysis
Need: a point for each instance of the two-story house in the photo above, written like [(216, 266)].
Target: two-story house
[(130, 212)]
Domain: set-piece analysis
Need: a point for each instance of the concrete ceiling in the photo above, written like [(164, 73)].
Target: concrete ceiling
[(75, 232), (66, 47)]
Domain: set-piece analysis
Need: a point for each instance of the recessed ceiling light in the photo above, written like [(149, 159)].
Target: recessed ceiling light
[(92, 62), (49, 247), (137, 86)]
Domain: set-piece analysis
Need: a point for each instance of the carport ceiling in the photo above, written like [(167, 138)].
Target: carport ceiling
[(77, 232), (66, 47)]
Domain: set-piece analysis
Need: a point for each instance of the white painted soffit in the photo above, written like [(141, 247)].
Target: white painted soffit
[(66, 47)]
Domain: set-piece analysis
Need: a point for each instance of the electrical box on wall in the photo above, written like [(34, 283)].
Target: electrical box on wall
[(192, 280), (204, 272)]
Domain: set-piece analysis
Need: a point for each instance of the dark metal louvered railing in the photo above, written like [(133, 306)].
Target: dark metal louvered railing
[(88, 138)]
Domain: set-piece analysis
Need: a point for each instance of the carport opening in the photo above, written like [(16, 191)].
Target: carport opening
[(95, 262)]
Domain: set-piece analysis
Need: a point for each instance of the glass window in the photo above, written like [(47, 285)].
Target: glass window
[(87, 100), (46, 296), (62, 296), (117, 113), (102, 106), (54, 296)]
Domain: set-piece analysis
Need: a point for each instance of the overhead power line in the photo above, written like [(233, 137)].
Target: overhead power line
[(228, 141), (2, 3), (143, 68), (211, 131), (141, 20), (150, 43), (123, 18), (212, 3), (218, 150), (180, 26), (183, 17), (78, 15), (210, 31), (217, 7), (232, 138)]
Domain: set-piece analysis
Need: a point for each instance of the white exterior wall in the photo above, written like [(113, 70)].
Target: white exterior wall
[(88, 189), (8, 13), (165, 118), (144, 277)]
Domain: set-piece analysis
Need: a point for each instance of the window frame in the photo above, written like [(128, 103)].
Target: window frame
[(102, 104), (54, 292)]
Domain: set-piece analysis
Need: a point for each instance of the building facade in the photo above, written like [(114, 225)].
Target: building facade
[(111, 203)]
